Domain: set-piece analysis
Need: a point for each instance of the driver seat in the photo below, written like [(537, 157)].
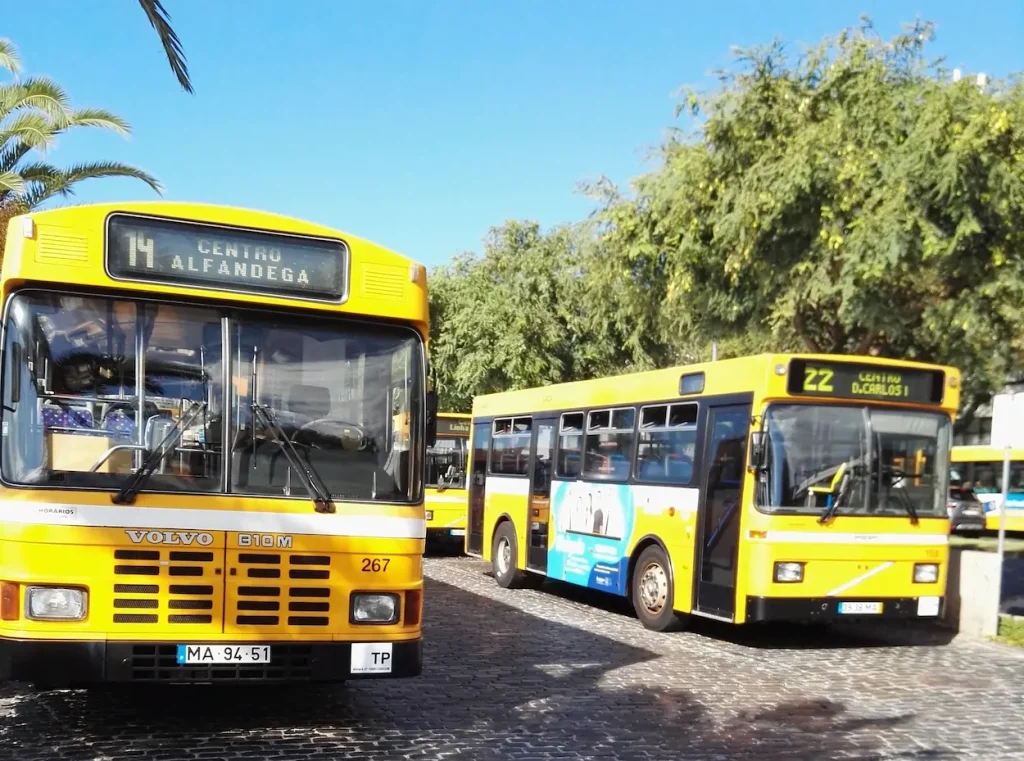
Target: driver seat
[(308, 403)]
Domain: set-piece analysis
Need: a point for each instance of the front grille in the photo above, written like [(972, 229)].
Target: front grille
[(142, 574), (301, 595), (159, 663)]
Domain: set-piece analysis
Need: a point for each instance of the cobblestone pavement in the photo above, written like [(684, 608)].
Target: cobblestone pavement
[(567, 674)]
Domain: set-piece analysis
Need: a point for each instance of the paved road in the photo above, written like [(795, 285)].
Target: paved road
[(544, 675)]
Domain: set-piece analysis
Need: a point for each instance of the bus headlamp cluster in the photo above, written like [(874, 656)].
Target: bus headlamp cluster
[(374, 608), (56, 603), (789, 573), (926, 573)]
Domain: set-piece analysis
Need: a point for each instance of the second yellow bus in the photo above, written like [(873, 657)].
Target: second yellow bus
[(773, 487)]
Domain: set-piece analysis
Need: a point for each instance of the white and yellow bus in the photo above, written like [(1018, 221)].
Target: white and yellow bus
[(980, 468), (765, 488), (214, 422)]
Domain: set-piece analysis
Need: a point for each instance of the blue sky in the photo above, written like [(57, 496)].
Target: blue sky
[(419, 125)]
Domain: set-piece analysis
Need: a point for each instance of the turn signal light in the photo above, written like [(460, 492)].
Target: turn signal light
[(413, 598), (10, 609)]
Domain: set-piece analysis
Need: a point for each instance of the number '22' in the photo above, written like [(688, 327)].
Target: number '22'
[(375, 565), (817, 380)]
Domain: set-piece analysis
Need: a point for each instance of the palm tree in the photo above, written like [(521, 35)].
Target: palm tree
[(33, 113), (160, 19)]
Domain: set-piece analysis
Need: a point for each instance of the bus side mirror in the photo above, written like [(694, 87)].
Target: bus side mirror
[(431, 418), (758, 450)]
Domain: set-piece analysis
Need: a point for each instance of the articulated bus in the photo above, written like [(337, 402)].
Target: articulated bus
[(446, 478), (765, 488), (980, 468), (214, 423)]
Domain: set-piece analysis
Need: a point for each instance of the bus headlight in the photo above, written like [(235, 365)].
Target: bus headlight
[(55, 603), (789, 573), (926, 573), (374, 608)]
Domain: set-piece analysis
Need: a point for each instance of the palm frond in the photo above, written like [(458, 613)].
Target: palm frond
[(11, 182), (39, 172), (62, 183), (40, 93), (9, 58), (99, 118), (11, 153), (32, 129), (160, 20)]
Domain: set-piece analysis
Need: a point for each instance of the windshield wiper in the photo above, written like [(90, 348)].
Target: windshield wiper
[(130, 489), (309, 476), (846, 473), (895, 475)]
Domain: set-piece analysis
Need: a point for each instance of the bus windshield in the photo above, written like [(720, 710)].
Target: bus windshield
[(93, 385), (446, 464), (855, 461)]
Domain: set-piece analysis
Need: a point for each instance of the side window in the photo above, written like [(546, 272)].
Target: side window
[(542, 466), (570, 446), (510, 446), (609, 444), (666, 443)]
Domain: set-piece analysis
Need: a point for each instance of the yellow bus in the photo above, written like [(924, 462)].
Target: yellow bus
[(764, 488), (213, 426), (980, 468), (445, 478)]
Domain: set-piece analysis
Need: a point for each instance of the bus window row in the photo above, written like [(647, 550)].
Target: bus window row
[(653, 444)]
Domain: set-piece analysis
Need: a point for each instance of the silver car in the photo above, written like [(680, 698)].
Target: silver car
[(966, 512)]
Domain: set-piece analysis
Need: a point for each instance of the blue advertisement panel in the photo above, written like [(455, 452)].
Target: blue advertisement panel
[(593, 524)]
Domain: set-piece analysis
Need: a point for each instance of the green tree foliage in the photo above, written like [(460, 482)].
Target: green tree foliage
[(520, 315), (853, 199), (34, 112)]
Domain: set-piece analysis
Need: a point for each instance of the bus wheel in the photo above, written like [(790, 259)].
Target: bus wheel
[(652, 591), (504, 552)]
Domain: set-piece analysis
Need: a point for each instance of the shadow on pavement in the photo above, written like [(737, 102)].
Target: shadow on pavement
[(498, 684), (784, 636)]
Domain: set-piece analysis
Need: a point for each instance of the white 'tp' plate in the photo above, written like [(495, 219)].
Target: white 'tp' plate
[(928, 606), (371, 658)]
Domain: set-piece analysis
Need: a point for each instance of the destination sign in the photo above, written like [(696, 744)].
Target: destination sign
[(450, 427), (847, 380), (225, 258)]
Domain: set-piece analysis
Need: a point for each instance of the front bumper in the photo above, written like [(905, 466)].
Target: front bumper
[(822, 609), (967, 522), (67, 664)]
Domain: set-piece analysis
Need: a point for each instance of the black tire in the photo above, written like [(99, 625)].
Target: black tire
[(504, 565), (653, 592)]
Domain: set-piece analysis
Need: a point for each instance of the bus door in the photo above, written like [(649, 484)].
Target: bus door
[(725, 449), (541, 462), (477, 482)]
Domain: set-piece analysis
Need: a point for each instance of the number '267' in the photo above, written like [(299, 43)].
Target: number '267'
[(375, 565), (816, 379)]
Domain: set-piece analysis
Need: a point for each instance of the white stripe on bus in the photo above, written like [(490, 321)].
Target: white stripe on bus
[(115, 516), (863, 577), (516, 487), (813, 537)]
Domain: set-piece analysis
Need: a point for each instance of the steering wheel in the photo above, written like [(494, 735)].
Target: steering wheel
[(334, 433)]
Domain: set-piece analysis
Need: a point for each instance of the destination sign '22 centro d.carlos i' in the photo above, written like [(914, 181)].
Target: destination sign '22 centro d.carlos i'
[(186, 253)]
